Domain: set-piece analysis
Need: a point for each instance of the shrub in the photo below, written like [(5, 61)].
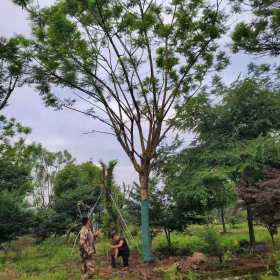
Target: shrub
[(212, 245)]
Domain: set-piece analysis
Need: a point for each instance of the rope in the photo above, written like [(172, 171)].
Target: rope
[(90, 213), (74, 245), (124, 222)]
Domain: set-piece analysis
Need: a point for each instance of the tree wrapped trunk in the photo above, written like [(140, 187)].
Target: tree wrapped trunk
[(145, 219)]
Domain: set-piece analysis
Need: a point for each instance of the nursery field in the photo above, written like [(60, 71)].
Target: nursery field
[(56, 259)]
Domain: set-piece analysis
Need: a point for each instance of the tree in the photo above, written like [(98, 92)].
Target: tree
[(220, 190), (14, 61), (262, 34), (231, 128), (111, 220), (15, 184), (14, 216), (166, 213), (130, 62), (196, 180), (76, 190), (45, 167), (263, 198)]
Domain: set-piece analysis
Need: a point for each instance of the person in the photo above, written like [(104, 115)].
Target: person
[(119, 248), (87, 238)]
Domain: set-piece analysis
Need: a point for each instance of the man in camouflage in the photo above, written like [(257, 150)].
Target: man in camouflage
[(87, 238)]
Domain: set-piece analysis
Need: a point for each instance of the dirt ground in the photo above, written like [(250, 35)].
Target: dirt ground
[(138, 270), (210, 270)]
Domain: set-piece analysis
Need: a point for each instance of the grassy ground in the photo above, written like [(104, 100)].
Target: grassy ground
[(191, 240), (54, 259)]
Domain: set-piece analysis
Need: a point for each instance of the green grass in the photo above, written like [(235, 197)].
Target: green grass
[(41, 262), (191, 240), (54, 258)]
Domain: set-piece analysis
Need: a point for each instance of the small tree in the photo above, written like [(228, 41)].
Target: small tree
[(111, 219), (264, 198), (165, 213), (212, 245)]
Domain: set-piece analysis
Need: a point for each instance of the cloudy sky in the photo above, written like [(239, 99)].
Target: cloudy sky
[(58, 130)]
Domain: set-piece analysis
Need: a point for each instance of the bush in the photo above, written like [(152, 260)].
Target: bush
[(212, 245)]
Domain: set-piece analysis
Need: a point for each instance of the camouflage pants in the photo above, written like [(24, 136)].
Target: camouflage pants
[(87, 269)]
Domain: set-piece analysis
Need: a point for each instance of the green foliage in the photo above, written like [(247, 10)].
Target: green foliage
[(15, 184), (112, 197), (169, 273), (261, 34), (194, 240), (191, 275), (45, 167), (15, 219), (76, 189), (45, 222), (166, 213), (14, 60), (237, 139), (9, 128), (212, 244), (75, 176), (248, 108)]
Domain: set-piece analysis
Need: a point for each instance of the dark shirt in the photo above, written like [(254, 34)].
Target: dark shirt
[(124, 248)]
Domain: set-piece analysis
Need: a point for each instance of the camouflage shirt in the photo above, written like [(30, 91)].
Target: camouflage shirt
[(86, 242)]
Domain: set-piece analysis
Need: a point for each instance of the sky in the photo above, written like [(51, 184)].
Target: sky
[(59, 130)]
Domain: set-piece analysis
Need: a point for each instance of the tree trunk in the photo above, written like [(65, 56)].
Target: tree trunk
[(223, 219), (168, 237), (271, 231), (145, 218), (272, 239), (251, 226)]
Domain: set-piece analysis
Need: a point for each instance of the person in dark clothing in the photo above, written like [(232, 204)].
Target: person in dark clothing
[(119, 249)]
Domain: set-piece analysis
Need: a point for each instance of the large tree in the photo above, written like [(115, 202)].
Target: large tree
[(127, 63)]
